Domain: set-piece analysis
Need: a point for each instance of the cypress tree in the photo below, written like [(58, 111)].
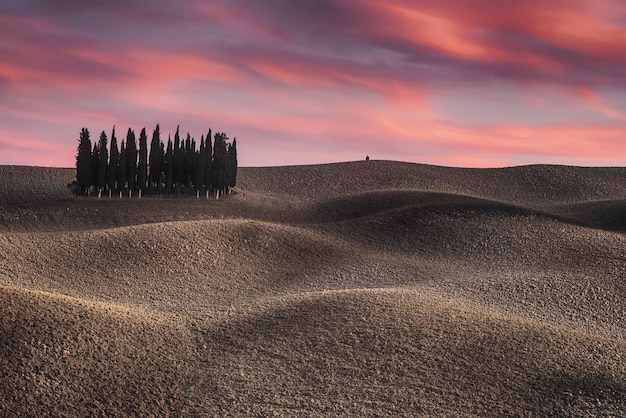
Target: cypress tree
[(83, 160), (220, 163), (156, 155), (161, 164), (200, 157), (232, 157), (226, 168), (94, 164), (208, 159), (122, 178), (169, 166), (142, 172), (113, 162), (193, 162), (131, 160), (176, 157), (187, 162), (103, 158)]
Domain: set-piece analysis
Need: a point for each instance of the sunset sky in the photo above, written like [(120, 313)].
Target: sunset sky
[(480, 83)]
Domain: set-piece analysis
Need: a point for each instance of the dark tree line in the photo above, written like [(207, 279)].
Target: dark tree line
[(181, 166)]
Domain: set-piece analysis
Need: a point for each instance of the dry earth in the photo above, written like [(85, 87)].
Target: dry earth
[(357, 289)]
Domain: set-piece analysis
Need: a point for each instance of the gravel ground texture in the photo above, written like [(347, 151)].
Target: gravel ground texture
[(370, 288)]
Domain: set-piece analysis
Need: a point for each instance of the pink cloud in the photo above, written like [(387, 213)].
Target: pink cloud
[(323, 80)]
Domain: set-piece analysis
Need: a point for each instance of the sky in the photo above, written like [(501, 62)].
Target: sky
[(466, 83)]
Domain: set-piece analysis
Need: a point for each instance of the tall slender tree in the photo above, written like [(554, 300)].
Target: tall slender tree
[(114, 158), (169, 166), (103, 158), (208, 159), (83, 160), (131, 160), (156, 155), (219, 175), (200, 158), (161, 165), (142, 171), (187, 162), (122, 166), (232, 159), (94, 165), (176, 157), (192, 160)]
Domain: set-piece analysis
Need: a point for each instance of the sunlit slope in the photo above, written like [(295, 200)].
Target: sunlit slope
[(173, 266), (67, 357)]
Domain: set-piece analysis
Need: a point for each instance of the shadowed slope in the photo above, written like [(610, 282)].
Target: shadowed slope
[(607, 214), (360, 353), (533, 185), (481, 231), (516, 260), (19, 184)]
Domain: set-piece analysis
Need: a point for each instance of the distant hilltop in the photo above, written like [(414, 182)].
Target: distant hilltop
[(534, 185)]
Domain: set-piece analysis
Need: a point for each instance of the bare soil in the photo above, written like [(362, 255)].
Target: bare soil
[(371, 288)]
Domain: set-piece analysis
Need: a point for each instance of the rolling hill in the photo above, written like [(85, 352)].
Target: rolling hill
[(371, 288)]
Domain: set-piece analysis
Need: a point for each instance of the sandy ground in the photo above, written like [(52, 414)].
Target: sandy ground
[(357, 289)]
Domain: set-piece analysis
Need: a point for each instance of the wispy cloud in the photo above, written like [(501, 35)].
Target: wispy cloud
[(322, 80)]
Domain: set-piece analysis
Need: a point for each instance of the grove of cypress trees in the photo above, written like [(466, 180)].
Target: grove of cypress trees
[(83, 160), (211, 168), (142, 172)]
